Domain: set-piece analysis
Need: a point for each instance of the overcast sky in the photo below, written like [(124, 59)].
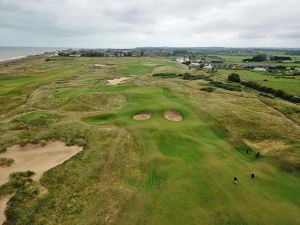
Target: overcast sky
[(132, 23)]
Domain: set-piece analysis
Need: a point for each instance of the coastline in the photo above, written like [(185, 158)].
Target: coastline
[(15, 59), (8, 54)]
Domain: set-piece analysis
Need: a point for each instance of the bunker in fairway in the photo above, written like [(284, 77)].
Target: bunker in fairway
[(173, 116), (142, 116), (117, 81)]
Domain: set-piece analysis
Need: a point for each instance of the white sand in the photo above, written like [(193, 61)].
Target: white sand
[(172, 115), (36, 158), (142, 116), (3, 202), (117, 81), (99, 65)]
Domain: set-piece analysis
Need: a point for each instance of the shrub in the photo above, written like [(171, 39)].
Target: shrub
[(185, 76), (188, 76), (208, 89), (280, 58), (17, 175), (266, 95), (295, 99), (225, 86), (165, 75), (34, 119), (279, 93), (6, 162), (16, 183), (234, 77), (43, 143), (268, 90), (2, 148), (257, 58)]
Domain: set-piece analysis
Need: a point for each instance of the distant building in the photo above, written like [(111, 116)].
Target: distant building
[(208, 67), (75, 55), (259, 69), (51, 54), (182, 59), (195, 64)]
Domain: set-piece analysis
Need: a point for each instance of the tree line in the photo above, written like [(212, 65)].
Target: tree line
[(268, 90)]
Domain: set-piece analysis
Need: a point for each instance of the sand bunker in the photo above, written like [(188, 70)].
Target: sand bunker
[(99, 65), (103, 65), (3, 202), (173, 115), (36, 158), (142, 116), (117, 81)]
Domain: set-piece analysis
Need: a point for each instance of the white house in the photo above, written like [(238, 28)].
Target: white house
[(195, 64), (208, 67), (258, 69), (182, 59)]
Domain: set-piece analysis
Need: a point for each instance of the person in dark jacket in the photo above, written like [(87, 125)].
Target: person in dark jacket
[(257, 155), (235, 180)]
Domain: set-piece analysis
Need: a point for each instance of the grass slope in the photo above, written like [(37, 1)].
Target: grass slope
[(153, 171)]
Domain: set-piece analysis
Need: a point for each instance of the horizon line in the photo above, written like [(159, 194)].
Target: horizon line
[(225, 47)]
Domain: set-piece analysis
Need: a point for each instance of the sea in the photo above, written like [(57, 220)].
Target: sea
[(10, 53)]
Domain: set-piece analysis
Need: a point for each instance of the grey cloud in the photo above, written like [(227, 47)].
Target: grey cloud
[(130, 23)]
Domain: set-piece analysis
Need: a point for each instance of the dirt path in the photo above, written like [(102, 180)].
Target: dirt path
[(292, 122), (36, 158)]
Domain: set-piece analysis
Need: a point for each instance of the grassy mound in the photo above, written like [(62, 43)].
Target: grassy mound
[(96, 102), (34, 118), (99, 118)]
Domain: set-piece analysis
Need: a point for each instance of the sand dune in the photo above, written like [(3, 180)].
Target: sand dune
[(36, 158)]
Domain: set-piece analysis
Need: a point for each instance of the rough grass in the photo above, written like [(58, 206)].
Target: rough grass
[(33, 118), (5, 162), (96, 102), (156, 171), (70, 92), (12, 86)]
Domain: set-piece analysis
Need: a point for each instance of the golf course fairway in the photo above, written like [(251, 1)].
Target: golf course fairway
[(152, 171)]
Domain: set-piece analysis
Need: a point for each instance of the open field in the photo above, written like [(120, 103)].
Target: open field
[(264, 78), (152, 171), (238, 59)]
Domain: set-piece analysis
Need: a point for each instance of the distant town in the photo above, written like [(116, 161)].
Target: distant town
[(168, 51), (257, 59)]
